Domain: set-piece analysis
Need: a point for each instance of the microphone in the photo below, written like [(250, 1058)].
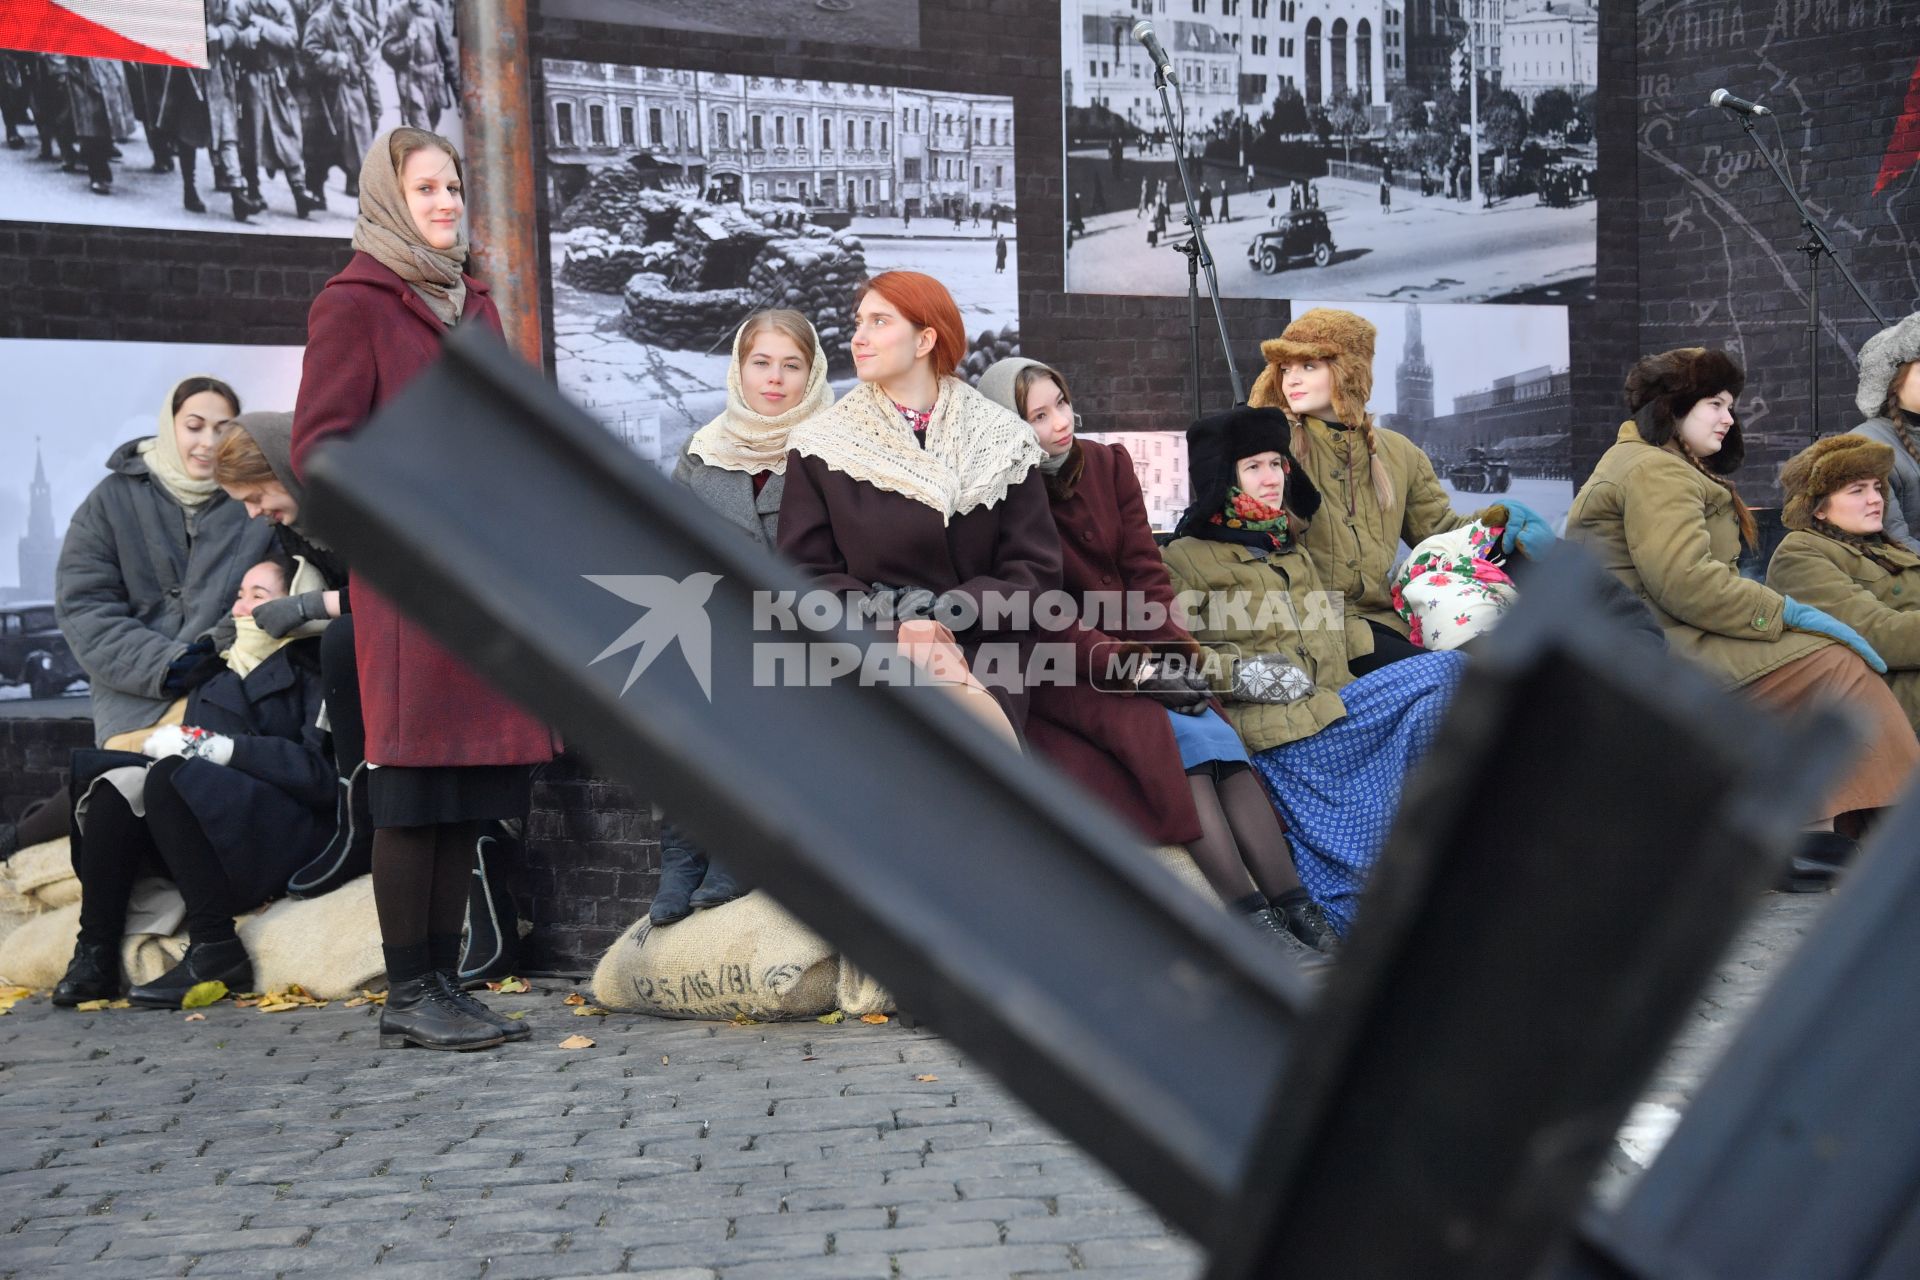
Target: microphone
[(1143, 32), (1721, 98)]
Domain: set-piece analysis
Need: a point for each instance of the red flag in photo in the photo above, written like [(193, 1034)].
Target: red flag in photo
[(170, 32)]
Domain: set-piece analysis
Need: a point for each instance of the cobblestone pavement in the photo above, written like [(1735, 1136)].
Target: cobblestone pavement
[(140, 1144)]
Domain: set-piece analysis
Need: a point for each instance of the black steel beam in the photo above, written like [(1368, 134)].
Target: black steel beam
[(998, 903), (1591, 825), (1801, 1155)]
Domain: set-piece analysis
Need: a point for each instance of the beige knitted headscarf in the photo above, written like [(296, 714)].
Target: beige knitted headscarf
[(974, 452), (741, 439), (166, 464), (385, 230)]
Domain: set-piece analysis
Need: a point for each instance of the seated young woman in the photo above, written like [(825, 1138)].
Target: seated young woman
[(923, 499), (1146, 738), (1662, 517), (227, 805), (1332, 749), (1838, 557), (737, 465)]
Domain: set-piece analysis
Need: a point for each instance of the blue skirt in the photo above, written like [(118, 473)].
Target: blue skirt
[(1205, 738), (1338, 791)]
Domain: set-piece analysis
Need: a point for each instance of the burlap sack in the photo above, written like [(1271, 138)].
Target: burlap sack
[(858, 994), (748, 958), (1175, 858), (43, 874), (330, 945), (35, 954)]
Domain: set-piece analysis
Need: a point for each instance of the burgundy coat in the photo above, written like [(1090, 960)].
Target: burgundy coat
[(1116, 744), (368, 335), (848, 535)]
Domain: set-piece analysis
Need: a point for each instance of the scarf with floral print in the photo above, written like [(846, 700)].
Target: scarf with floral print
[(1248, 520)]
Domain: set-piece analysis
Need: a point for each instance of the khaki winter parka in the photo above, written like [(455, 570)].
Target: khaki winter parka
[(1352, 541), (1259, 603), (1668, 531), (1881, 605)]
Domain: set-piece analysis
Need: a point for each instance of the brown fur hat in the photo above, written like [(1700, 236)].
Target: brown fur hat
[(1341, 338), (1662, 388), (1826, 467)]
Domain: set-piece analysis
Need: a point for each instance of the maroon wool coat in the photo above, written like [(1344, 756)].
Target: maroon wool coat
[(1118, 745), (848, 535), (368, 335)]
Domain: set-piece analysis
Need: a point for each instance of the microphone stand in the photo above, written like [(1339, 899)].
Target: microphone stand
[(1199, 257), (1816, 245)]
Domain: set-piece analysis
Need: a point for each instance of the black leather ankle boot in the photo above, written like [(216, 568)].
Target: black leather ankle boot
[(423, 1012), (225, 961), (92, 974)]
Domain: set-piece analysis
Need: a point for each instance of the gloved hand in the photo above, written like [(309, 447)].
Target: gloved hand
[(1172, 690), (1270, 678), (223, 633), (1804, 617), (197, 664), (186, 740), (278, 617), (1527, 531)]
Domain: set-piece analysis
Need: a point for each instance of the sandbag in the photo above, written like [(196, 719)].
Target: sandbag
[(43, 874), (35, 954), (746, 958), (1175, 858), (329, 945), (858, 993)]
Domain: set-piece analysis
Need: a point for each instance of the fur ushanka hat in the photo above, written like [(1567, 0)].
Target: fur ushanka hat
[(1826, 467), (1215, 445), (1662, 388), (1882, 357), (1342, 339)]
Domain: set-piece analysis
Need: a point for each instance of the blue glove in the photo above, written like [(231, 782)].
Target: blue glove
[(1804, 617), (1526, 530)]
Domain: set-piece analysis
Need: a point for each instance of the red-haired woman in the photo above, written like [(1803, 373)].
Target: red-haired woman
[(917, 492), (449, 754)]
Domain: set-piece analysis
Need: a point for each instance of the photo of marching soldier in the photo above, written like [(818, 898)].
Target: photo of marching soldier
[(292, 93)]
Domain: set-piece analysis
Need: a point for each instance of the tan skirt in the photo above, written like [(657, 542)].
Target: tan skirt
[(1889, 753)]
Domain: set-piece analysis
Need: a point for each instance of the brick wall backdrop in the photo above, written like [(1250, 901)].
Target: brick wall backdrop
[(1717, 236)]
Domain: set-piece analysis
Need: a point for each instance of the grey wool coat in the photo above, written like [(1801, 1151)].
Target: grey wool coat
[(140, 578), (730, 494)]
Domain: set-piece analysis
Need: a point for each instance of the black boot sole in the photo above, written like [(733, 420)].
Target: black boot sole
[(390, 1040)]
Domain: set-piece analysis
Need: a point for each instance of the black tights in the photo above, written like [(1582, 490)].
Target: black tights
[(1389, 646), (118, 848), (1242, 849), (421, 876)]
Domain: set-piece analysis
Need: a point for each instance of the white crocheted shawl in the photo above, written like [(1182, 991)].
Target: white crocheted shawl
[(975, 450)]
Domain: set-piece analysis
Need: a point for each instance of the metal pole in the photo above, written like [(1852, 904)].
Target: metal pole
[(1161, 81), (496, 116)]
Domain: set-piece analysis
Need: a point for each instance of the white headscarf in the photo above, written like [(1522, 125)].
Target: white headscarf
[(165, 463), (741, 439)]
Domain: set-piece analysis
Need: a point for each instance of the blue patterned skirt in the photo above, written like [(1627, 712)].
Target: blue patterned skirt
[(1338, 791)]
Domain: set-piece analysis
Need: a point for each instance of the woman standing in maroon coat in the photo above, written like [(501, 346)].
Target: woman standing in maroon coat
[(920, 497), (1146, 739), (448, 751)]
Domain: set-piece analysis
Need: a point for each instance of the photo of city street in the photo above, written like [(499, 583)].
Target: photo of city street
[(893, 24), (683, 200), (1484, 390), (1438, 151), (267, 140)]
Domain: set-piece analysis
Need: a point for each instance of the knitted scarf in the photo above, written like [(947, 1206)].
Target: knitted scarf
[(974, 449), (251, 647), (741, 439), (166, 464), (1874, 546), (385, 231)]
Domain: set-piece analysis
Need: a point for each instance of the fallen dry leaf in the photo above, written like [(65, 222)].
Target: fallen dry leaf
[(742, 1020), (195, 1017), (516, 1015), (875, 1018), (93, 1006), (202, 994), (247, 1003), (356, 1002), (663, 1059), (809, 1058), (927, 1079), (591, 1011), (510, 986), (576, 1042), (574, 997), (833, 1019)]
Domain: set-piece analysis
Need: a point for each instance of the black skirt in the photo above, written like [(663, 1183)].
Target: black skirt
[(403, 797)]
